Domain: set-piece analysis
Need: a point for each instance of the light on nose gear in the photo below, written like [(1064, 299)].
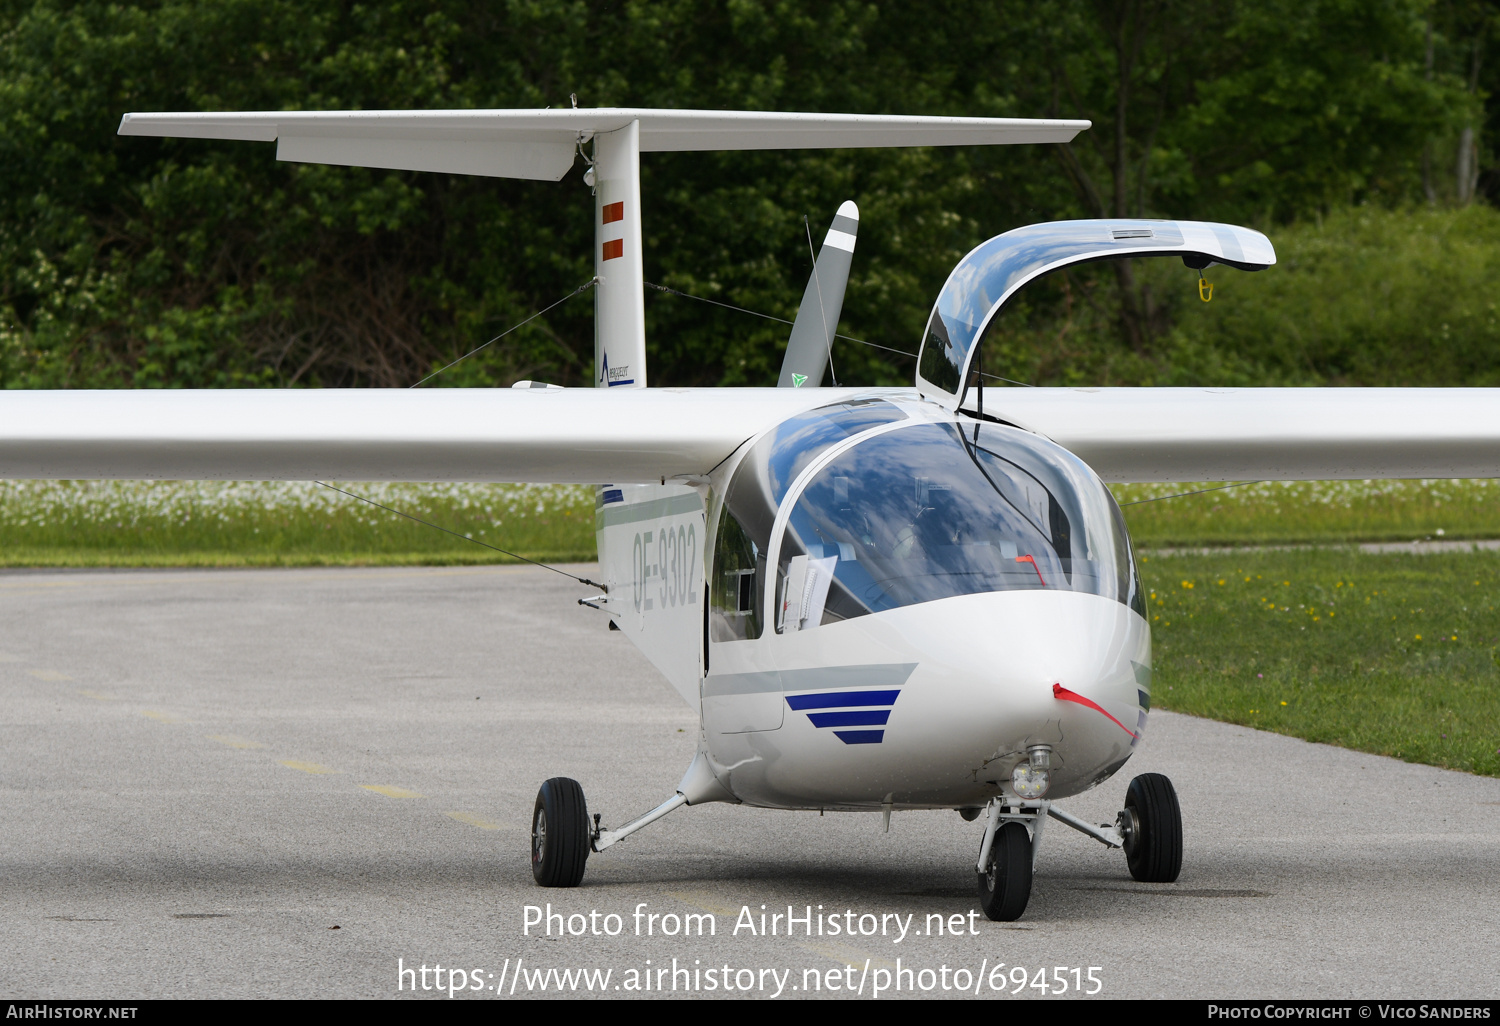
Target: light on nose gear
[(1030, 778)]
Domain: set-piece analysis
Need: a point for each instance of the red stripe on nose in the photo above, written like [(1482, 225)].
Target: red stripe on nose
[(614, 212), (1060, 692), (614, 248)]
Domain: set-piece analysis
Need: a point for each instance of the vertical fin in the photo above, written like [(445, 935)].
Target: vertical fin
[(818, 317), (619, 300)]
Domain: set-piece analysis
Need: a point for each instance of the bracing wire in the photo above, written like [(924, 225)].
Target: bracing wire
[(783, 320), (1010, 381), (1183, 495), (584, 287), (727, 306), (476, 541)]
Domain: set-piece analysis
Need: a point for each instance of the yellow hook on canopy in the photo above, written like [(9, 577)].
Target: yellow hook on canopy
[(1205, 288)]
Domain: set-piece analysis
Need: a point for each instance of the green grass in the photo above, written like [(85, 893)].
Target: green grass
[(196, 523), (1395, 654), (1312, 512), (200, 523)]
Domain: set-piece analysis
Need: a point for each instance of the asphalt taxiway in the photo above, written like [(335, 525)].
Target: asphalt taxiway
[(289, 783)]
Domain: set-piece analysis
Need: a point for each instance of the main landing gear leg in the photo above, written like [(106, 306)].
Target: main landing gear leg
[(604, 838), (562, 837), (1149, 828)]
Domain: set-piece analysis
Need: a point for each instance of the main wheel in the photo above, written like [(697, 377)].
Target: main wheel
[(560, 839), (1005, 886), (1152, 825)]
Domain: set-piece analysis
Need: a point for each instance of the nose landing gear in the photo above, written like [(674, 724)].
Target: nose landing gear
[(1005, 882), (1149, 828), (1012, 835)]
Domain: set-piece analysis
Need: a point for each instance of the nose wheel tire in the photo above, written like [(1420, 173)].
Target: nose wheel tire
[(1005, 886), (560, 835), (1152, 827)]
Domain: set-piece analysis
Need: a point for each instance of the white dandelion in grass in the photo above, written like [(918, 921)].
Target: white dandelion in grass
[(1327, 493), (290, 514)]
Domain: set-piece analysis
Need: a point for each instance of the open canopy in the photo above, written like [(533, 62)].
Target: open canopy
[(979, 287)]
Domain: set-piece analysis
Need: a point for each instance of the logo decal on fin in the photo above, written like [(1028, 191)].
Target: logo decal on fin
[(617, 376), (798, 379)]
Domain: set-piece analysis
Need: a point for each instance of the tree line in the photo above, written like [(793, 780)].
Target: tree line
[(188, 263)]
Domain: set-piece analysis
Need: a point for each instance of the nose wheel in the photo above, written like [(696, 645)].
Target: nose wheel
[(1151, 828), (1005, 882)]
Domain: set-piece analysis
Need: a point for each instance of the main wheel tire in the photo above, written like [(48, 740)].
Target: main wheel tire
[(560, 836), (1153, 848), (1005, 886)]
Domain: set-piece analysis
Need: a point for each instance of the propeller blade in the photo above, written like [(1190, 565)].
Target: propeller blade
[(818, 317)]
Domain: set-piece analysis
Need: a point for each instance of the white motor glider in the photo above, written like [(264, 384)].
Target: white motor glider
[(877, 599)]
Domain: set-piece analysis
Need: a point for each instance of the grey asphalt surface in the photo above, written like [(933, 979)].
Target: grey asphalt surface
[(188, 784)]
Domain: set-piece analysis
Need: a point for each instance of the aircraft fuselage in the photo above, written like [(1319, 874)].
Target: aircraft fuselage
[(880, 604)]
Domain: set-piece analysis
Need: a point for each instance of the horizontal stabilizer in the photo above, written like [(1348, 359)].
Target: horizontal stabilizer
[(540, 144), (535, 159)]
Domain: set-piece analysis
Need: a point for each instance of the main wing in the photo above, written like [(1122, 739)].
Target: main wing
[(1273, 434), (613, 435), (561, 435)]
